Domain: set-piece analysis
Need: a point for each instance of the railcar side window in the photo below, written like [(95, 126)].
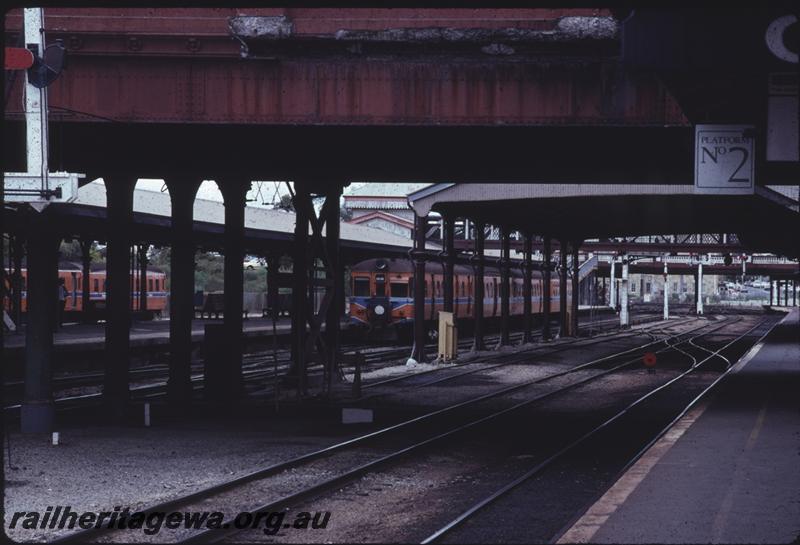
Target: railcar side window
[(361, 287), (150, 284), (96, 285), (398, 289)]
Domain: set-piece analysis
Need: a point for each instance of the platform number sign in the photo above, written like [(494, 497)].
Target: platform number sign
[(723, 159)]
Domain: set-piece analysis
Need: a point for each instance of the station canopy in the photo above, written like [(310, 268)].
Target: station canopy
[(765, 221)]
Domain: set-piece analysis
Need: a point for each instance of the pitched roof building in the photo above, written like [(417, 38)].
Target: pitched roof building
[(383, 206)]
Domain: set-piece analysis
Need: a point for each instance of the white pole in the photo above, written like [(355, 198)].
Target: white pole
[(666, 291), (613, 300), (700, 287), (623, 315), (36, 102)]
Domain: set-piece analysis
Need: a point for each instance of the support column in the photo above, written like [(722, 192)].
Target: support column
[(86, 285), (16, 278), (273, 263), (142, 249), (119, 198), (700, 288), (547, 256), (527, 269), (771, 291), (480, 282), (794, 293), (336, 308), (300, 274), (563, 323), (182, 192), (505, 288), (234, 191), (623, 313), (418, 353), (612, 301), (449, 263), (37, 409), (575, 291), (666, 290)]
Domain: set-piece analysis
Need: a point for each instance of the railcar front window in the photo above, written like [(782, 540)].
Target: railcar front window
[(361, 287), (380, 285)]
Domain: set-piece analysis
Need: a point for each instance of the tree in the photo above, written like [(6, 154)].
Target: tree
[(285, 204)]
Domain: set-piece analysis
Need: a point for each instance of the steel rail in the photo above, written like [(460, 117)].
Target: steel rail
[(554, 348), (544, 464), (213, 535), (641, 452), (83, 535)]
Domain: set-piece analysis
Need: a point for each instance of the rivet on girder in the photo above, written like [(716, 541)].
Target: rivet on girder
[(193, 44), (135, 44), (75, 42)]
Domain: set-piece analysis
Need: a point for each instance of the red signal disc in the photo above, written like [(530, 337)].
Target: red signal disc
[(649, 359)]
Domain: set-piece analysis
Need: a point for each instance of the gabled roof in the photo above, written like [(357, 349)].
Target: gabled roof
[(375, 189), (385, 216)]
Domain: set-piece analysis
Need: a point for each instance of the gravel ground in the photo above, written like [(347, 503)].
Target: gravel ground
[(97, 468)]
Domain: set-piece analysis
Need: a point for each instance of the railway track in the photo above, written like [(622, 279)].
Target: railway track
[(258, 369), (615, 429), (344, 461), (458, 370)]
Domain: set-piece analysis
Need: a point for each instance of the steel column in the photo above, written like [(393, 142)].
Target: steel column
[(700, 288), (449, 262), (182, 192), (234, 191), (418, 255), (547, 256), (16, 278), (612, 300), (480, 282), (666, 290), (142, 254), (624, 320), (335, 266), (300, 286), (794, 293), (771, 291), (273, 263), (119, 198), (37, 409), (86, 294), (527, 270), (575, 291), (505, 288), (563, 322)]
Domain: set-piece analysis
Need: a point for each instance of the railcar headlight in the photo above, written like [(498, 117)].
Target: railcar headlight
[(379, 310)]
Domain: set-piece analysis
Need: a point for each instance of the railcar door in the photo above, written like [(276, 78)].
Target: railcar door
[(494, 296), (74, 290)]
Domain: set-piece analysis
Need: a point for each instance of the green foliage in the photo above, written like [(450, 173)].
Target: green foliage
[(209, 271), (159, 259), (285, 203)]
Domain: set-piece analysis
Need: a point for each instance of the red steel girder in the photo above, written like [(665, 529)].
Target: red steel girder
[(182, 65), (237, 91)]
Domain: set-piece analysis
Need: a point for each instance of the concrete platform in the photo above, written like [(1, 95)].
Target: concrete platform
[(727, 472)]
